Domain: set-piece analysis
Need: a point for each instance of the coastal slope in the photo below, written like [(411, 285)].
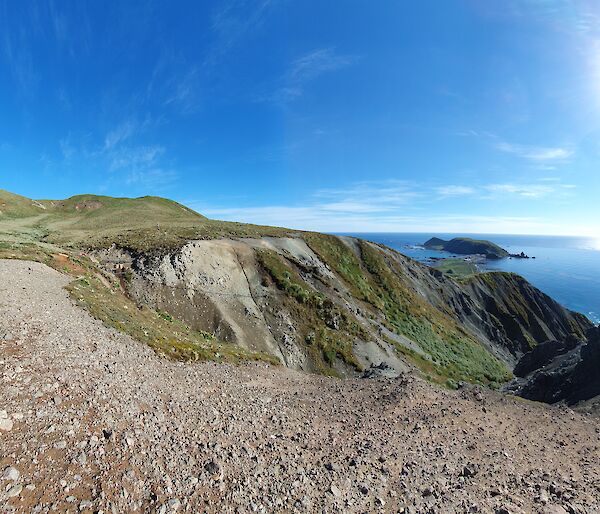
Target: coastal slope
[(194, 288), (99, 422)]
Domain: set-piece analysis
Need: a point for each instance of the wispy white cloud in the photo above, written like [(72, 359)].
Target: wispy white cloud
[(453, 190), (313, 64), (184, 90), (66, 148), (537, 190), (318, 219), (117, 158), (382, 194), (120, 133), (151, 178), (134, 157), (397, 206), (305, 69), (232, 21), (17, 54), (536, 153)]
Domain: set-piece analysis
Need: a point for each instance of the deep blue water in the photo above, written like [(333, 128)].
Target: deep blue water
[(566, 268)]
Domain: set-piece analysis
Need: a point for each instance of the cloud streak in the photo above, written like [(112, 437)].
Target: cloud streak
[(535, 153), (397, 206), (453, 190), (119, 158), (307, 68), (538, 190)]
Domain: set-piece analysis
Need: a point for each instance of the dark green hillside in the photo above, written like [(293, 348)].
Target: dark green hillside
[(467, 246)]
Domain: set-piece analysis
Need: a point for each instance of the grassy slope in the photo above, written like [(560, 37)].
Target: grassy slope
[(138, 224), (155, 224), (328, 330), (377, 280), (104, 299), (15, 206)]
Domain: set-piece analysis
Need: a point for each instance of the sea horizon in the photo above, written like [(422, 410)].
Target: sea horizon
[(565, 267)]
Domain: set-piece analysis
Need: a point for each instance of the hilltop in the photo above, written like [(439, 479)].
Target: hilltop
[(467, 246)]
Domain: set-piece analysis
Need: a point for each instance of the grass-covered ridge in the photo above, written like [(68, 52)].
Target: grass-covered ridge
[(376, 279), (146, 224)]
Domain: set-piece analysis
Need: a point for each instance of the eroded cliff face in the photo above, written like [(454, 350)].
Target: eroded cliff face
[(561, 371), (339, 305)]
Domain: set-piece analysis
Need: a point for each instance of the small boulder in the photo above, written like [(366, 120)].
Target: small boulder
[(11, 473)]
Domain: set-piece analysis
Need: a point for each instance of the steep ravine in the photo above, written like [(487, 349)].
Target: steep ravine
[(338, 305)]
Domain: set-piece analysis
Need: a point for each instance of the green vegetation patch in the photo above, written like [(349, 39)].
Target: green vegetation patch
[(455, 353), (103, 298), (339, 257), (456, 268), (377, 280), (328, 330)]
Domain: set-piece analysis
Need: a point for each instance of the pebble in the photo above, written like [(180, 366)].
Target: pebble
[(173, 505), (6, 425), (15, 490), (11, 473), (212, 467), (85, 504), (335, 490)]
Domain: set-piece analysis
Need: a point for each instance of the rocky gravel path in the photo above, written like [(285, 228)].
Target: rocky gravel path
[(92, 421)]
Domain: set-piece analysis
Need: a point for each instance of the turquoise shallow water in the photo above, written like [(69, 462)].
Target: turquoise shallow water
[(566, 268)]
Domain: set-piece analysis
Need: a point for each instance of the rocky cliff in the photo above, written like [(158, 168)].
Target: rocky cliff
[(561, 371), (340, 305), (194, 288)]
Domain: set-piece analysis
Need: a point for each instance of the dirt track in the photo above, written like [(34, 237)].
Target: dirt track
[(96, 422)]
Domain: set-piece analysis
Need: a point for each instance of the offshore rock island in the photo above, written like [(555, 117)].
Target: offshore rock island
[(468, 246)]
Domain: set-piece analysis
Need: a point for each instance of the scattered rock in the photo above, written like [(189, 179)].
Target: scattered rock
[(11, 473), (15, 490), (212, 467)]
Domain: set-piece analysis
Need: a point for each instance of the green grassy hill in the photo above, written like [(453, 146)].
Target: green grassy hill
[(138, 224), (467, 246), (16, 206)]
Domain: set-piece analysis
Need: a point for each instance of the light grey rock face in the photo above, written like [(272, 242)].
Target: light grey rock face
[(145, 434)]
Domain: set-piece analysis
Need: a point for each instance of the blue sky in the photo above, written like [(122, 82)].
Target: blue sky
[(449, 116)]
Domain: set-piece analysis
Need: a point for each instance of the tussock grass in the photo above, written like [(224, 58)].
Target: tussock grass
[(328, 330)]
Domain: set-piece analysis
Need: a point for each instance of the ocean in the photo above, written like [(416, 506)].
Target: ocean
[(566, 268)]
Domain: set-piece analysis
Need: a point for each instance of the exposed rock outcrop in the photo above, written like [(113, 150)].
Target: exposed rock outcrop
[(340, 305), (560, 371)]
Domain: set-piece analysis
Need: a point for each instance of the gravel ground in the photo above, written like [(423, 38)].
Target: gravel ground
[(93, 421)]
